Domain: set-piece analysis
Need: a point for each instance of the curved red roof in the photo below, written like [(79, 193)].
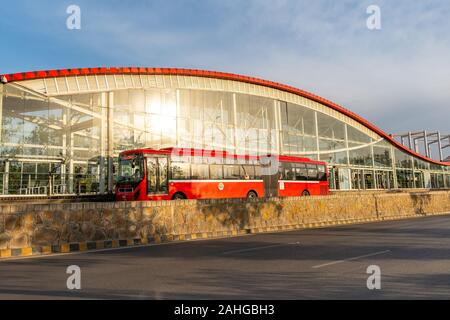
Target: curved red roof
[(212, 74)]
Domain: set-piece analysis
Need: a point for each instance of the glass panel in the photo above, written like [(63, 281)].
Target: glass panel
[(402, 160), (383, 179), (405, 179), (357, 179), (299, 129), (369, 181), (300, 120), (255, 131), (327, 144), (419, 180), (330, 127), (354, 135), (360, 156), (335, 158), (206, 120), (382, 156)]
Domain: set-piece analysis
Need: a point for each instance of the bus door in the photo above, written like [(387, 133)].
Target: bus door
[(157, 175), (270, 175)]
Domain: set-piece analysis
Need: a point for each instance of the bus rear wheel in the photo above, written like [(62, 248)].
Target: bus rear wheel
[(178, 196), (252, 195), (305, 193)]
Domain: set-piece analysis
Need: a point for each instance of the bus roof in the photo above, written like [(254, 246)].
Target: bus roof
[(213, 153)]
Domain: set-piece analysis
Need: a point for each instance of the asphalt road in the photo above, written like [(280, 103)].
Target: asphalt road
[(413, 256)]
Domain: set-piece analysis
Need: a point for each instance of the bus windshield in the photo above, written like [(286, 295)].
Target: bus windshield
[(131, 169)]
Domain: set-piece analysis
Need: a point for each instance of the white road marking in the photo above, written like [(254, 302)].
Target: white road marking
[(260, 248), (350, 259)]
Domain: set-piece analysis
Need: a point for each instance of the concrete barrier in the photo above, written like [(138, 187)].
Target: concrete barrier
[(28, 229)]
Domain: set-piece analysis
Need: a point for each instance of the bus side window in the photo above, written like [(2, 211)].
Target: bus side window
[(312, 172), (322, 173), (215, 171), (231, 172), (247, 172), (289, 171), (200, 172), (180, 171), (301, 172)]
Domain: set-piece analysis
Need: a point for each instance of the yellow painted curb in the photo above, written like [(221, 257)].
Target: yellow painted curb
[(65, 248), (46, 250), (5, 253), (83, 246), (99, 244), (27, 251)]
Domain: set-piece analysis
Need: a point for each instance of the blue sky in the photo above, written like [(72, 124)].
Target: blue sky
[(398, 77)]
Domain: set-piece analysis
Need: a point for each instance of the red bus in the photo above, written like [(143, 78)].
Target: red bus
[(177, 173)]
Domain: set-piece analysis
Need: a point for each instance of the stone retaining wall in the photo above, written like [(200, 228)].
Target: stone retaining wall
[(33, 225)]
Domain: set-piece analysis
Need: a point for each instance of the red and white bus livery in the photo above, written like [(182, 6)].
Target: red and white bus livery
[(177, 173)]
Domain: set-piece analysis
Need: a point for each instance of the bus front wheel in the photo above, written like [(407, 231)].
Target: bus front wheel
[(305, 193), (178, 196), (252, 195)]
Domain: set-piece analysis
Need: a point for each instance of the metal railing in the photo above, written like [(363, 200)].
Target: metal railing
[(54, 184)]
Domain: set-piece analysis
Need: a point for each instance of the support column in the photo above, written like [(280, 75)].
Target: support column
[(103, 144), (235, 124), (276, 105), (427, 147), (6, 178), (177, 120), (317, 135), (1, 109), (68, 152), (410, 141), (441, 156), (347, 152), (375, 177), (394, 171), (110, 142), (416, 146)]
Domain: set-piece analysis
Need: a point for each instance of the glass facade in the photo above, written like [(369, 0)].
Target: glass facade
[(69, 143)]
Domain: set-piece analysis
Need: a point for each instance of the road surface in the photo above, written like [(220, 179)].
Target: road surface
[(413, 256)]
